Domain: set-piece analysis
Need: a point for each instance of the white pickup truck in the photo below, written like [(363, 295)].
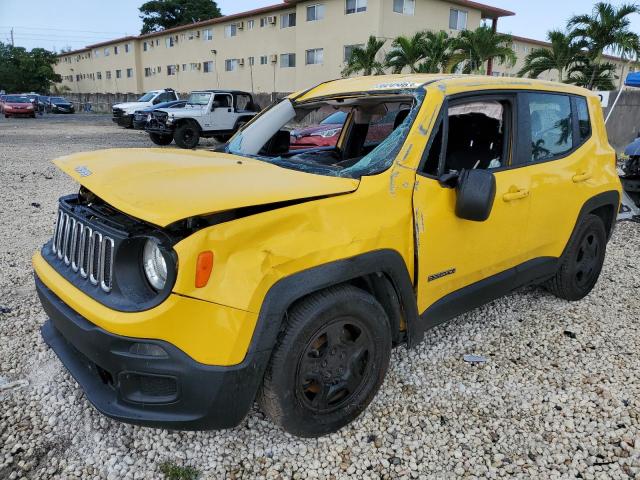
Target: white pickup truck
[(123, 112), (208, 113)]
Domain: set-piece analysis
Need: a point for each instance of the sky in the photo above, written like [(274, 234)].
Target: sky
[(77, 23)]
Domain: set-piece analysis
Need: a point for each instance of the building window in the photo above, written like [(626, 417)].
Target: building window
[(145, 46), (171, 69), (314, 56), (231, 64), (252, 61), (169, 42), (207, 67), (263, 22), (129, 72), (263, 60), (99, 75), (115, 50), (315, 12), (405, 7), (118, 73), (108, 72), (147, 71), (355, 6), (159, 69), (288, 20), (457, 19), (348, 50), (207, 34), (96, 53), (126, 48), (287, 60), (250, 24), (231, 30), (106, 52)]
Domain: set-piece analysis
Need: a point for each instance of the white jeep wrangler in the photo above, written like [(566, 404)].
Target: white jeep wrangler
[(208, 113), (123, 112)]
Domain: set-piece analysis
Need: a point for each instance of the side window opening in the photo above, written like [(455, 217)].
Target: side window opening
[(584, 122), (476, 136), (551, 126), (432, 160)]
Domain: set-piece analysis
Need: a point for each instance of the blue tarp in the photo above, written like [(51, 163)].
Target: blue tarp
[(633, 80)]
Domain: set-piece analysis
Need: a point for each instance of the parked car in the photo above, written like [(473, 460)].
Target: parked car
[(324, 134), (18, 106), (123, 112), (42, 102), (208, 113), (141, 117), (181, 286), (60, 105)]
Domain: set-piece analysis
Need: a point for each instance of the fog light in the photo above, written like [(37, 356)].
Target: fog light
[(147, 350)]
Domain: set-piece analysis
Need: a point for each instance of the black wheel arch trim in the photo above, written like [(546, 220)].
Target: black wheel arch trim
[(610, 198)]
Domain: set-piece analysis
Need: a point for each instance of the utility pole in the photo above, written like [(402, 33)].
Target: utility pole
[(12, 44)]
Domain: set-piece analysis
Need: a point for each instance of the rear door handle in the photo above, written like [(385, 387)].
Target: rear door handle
[(513, 194), (582, 177)]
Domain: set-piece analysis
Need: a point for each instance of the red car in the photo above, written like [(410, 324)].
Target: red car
[(327, 132), (15, 105)]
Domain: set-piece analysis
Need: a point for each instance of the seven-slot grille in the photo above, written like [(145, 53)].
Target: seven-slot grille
[(84, 250)]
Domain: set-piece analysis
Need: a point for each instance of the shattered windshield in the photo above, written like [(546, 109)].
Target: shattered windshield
[(199, 98), (366, 138)]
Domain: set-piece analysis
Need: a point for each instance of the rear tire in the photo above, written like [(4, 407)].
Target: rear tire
[(187, 135), (160, 139), (581, 263), (329, 362)]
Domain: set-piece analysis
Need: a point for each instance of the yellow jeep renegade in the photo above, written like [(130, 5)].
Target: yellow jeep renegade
[(183, 286)]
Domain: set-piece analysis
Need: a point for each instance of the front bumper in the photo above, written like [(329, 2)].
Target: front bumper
[(168, 391), (125, 120)]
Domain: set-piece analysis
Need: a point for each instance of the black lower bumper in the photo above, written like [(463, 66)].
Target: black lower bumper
[(123, 120), (148, 382)]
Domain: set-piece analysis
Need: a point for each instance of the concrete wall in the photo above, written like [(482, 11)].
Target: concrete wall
[(624, 124)]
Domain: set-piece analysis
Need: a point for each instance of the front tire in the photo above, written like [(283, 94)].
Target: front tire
[(581, 263), (160, 139), (187, 135), (328, 364)]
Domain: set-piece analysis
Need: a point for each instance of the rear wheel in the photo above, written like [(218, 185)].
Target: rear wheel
[(582, 261), (160, 139), (187, 135), (328, 364)]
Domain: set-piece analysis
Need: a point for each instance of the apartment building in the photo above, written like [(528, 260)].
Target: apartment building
[(523, 46), (284, 47)]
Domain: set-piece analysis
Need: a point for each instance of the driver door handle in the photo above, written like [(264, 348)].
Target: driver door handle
[(515, 194), (582, 177)]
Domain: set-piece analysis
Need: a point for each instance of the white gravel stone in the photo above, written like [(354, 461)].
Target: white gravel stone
[(544, 405)]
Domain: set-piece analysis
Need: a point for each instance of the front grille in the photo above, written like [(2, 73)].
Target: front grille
[(84, 250), (118, 112)]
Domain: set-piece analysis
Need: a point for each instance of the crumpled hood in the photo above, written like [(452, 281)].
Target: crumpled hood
[(161, 186)]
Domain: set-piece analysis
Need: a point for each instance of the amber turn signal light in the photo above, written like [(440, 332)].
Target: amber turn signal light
[(203, 268)]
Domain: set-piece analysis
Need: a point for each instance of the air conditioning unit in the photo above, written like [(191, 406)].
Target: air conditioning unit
[(273, 58), (241, 62), (240, 25), (272, 19)]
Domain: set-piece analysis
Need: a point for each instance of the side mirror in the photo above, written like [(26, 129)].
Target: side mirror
[(475, 192)]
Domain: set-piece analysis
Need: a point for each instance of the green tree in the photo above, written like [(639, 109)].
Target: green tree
[(437, 51), (365, 59), (162, 14), (564, 52), (473, 48), (26, 71), (406, 52), (588, 74), (606, 28)]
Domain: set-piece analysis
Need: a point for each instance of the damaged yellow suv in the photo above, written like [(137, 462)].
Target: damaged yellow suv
[(181, 286)]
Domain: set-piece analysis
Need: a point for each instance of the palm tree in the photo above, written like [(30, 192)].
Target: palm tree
[(472, 48), (607, 28), (563, 53), (406, 52), (437, 52), (589, 74), (364, 59)]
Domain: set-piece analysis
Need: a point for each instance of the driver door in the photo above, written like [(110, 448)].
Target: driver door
[(222, 116), (461, 263)]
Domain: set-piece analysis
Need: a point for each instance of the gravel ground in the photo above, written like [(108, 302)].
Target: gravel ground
[(559, 395)]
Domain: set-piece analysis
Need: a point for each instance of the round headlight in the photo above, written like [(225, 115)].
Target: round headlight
[(155, 266)]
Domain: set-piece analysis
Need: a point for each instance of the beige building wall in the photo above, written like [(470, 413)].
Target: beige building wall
[(191, 48)]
